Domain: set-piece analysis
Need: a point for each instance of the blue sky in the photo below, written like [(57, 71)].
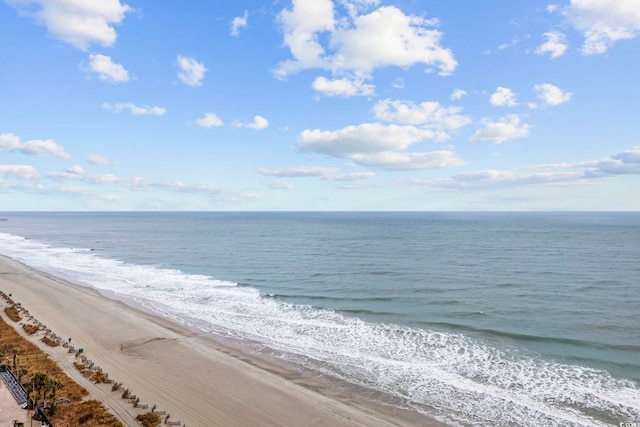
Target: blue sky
[(319, 105)]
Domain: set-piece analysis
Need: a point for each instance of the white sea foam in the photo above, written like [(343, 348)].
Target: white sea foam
[(450, 376)]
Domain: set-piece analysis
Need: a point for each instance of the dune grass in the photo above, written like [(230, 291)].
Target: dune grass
[(31, 361), (149, 419), (30, 329), (13, 313), (48, 341)]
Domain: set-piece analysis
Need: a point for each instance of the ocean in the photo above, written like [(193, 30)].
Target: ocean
[(475, 319)]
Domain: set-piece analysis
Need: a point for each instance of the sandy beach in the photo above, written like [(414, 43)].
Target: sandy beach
[(194, 378)]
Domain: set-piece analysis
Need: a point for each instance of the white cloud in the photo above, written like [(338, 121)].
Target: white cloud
[(503, 97), (428, 114), (514, 42), (134, 109), (191, 71), (552, 95), (342, 87), (328, 174), (352, 176), (398, 84), (239, 22), (506, 128), (354, 7), (501, 178), (36, 147), (76, 169), (504, 46), (356, 45), (388, 37), (299, 172), (25, 185), (105, 178), (79, 23), (301, 26), (9, 141), (19, 171), (259, 123), (556, 45), (623, 163), (136, 183), (209, 120), (230, 195), (279, 185), (604, 22), (98, 160), (458, 94), (71, 192), (367, 138), (77, 173), (107, 70), (378, 146), (409, 161)]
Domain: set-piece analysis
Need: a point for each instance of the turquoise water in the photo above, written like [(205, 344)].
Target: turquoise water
[(472, 318)]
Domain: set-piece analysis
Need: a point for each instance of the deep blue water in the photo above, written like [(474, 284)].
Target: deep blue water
[(472, 318)]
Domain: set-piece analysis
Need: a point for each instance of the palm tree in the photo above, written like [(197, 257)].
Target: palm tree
[(45, 388)]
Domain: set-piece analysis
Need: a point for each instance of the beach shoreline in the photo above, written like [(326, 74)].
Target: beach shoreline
[(199, 380)]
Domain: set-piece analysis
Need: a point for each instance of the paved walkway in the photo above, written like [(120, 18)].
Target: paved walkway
[(9, 408)]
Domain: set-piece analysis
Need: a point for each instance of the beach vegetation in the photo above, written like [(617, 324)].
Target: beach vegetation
[(30, 329), (90, 413), (149, 419), (30, 360), (42, 376), (53, 409), (126, 393), (92, 375), (43, 389), (48, 341), (13, 313), (99, 378)]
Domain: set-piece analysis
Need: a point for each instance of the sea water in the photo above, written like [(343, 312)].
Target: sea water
[(476, 319)]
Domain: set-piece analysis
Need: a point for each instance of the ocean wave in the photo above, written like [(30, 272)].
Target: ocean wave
[(450, 376)]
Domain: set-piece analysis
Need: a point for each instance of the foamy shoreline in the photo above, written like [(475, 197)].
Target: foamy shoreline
[(199, 381)]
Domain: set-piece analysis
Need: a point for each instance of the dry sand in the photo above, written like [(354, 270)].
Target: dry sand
[(194, 378)]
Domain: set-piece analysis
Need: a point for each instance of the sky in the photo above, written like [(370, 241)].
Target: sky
[(319, 105)]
